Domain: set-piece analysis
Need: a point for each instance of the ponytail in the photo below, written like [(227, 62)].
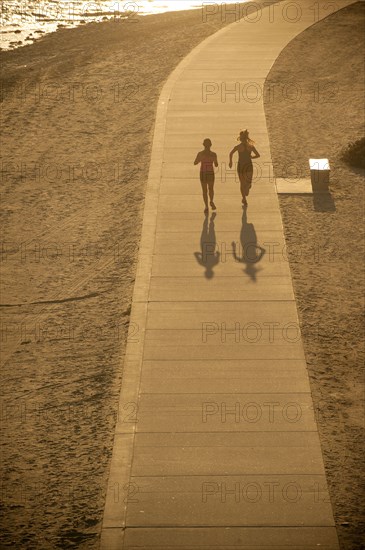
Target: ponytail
[(243, 138)]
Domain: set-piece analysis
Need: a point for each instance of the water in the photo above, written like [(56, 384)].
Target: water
[(23, 21)]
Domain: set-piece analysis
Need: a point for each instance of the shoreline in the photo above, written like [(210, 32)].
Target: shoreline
[(51, 18)]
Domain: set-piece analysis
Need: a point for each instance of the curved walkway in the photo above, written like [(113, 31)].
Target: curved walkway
[(216, 444)]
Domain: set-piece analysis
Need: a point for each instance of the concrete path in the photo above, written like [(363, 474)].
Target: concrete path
[(216, 444)]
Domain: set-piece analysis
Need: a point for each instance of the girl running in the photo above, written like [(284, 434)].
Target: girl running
[(207, 160), (244, 166)]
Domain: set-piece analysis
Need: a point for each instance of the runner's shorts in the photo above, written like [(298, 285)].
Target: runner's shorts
[(207, 178)]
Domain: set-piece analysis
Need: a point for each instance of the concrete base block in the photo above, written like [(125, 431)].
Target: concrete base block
[(294, 187)]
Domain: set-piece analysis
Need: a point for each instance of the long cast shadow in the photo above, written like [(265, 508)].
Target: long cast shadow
[(208, 257), (252, 252), (324, 202)]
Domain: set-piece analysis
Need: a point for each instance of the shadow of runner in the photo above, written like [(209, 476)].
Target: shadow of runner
[(208, 257), (252, 252)]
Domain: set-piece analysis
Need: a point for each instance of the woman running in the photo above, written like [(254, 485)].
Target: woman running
[(207, 160), (244, 166)]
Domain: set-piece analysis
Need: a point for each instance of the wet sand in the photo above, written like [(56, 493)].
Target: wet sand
[(77, 115)]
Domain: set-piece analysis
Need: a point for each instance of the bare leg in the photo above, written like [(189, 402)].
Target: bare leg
[(211, 194), (205, 194), (243, 187), (248, 182)]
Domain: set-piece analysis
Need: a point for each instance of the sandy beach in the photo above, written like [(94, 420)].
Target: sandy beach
[(77, 114)]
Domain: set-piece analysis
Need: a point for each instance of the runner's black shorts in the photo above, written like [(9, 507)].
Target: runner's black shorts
[(207, 177)]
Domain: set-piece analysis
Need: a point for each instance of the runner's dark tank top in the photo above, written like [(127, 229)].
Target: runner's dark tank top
[(245, 157)]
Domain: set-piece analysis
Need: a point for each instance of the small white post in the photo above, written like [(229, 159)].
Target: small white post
[(320, 175)]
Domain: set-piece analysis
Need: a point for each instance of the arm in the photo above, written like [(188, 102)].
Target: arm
[(215, 161), (197, 160), (231, 156), (257, 154), (262, 252), (235, 252), (199, 257)]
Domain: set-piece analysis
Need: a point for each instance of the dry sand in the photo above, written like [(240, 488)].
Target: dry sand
[(77, 115), (77, 118), (326, 246)]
